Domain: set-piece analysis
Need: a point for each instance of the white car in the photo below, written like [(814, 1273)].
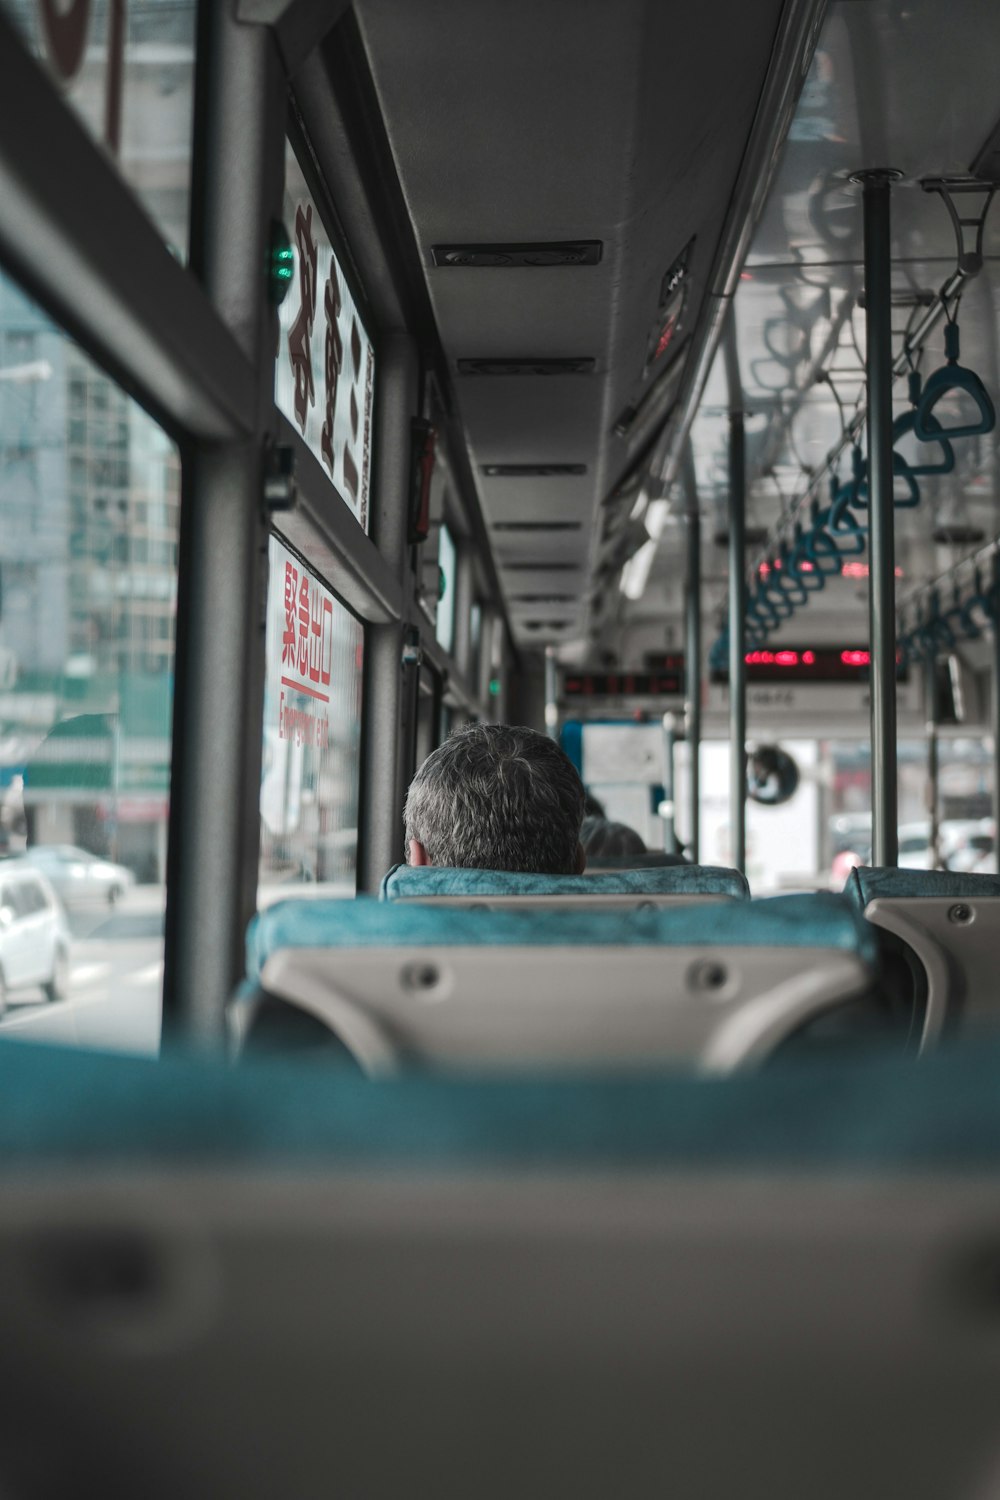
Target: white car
[(34, 938), (78, 877)]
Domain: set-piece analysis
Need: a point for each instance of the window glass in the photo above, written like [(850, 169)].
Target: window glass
[(325, 377), (444, 626), (127, 69), (312, 730), (87, 480)]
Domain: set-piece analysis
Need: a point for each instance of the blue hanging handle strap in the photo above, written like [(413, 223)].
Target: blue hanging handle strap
[(953, 377), (909, 499), (905, 424), (940, 635), (820, 548), (988, 598), (760, 608), (812, 578), (781, 605), (955, 616)]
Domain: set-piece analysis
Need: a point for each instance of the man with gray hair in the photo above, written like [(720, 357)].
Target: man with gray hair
[(496, 797)]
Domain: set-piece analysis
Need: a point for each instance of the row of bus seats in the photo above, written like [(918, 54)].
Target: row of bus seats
[(660, 966), (903, 956)]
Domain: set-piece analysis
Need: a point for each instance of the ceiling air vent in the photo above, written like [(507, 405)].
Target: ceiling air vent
[(553, 253), (531, 471), (541, 567), (536, 525), (578, 365), (543, 598), (957, 534), (544, 624)]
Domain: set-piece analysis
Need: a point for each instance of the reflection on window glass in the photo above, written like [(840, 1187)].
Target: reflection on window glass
[(312, 728), (445, 624), (325, 376), (127, 68), (89, 492)]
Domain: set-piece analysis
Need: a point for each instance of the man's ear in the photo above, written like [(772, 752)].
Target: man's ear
[(581, 858), (418, 854)]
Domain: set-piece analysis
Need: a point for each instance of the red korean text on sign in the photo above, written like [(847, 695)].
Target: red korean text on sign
[(288, 650), (302, 663)]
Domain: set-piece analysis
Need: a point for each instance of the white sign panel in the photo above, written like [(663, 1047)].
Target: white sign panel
[(623, 752), (300, 652), (325, 376)]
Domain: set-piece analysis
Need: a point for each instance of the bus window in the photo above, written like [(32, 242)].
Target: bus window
[(312, 726), (128, 72), (444, 627), (89, 500)]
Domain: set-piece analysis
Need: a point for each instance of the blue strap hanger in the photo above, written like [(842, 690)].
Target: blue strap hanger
[(813, 579), (904, 424), (953, 377)]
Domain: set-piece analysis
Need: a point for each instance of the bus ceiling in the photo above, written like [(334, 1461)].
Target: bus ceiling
[(583, 194), (579, 186)]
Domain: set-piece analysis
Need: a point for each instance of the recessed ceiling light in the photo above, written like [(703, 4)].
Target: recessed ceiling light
[(537, 255)]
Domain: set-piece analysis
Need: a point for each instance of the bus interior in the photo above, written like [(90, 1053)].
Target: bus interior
[(626, 370)]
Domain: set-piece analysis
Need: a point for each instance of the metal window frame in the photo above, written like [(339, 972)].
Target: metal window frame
[(191, 345)]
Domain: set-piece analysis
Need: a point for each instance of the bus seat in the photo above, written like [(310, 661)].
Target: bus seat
[(626, 887), (407, 983), (950, 921), (245, 1277)]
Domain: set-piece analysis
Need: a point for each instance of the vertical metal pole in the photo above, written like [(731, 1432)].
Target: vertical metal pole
[(692, 653), (551, 694), (882, 562), (996, 707), (214, 830), (668, 807), (737, 652), (384, 778), (464, 581), (931, 712)]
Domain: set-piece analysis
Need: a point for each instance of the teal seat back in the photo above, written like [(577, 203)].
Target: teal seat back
[(405, 882), (812, 921), (866, 885)]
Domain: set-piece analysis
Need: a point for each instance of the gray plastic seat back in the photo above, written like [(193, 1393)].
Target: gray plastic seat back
[(408, 982), (951, 923)]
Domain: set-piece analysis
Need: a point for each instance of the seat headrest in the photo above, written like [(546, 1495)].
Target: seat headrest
[(865, 885), (405, 882), (818, 920)]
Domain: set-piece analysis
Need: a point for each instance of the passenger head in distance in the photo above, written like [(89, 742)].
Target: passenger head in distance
[(496, 797), (602, 839)]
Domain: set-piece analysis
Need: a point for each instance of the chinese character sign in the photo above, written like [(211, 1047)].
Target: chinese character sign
[(307, 649), (312, 726), (326, 365)]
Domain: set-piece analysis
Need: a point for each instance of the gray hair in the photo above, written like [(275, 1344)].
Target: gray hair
[(495, 797)]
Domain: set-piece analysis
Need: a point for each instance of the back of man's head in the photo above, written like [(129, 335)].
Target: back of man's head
[(496, 797)]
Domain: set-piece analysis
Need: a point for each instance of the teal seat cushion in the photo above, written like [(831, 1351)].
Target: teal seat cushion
[(819, 920), (416, 881), (866, 885)]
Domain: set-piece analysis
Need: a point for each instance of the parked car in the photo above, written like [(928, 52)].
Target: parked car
[(974, 848), (78, 877), (34, 938), (965, 844)]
